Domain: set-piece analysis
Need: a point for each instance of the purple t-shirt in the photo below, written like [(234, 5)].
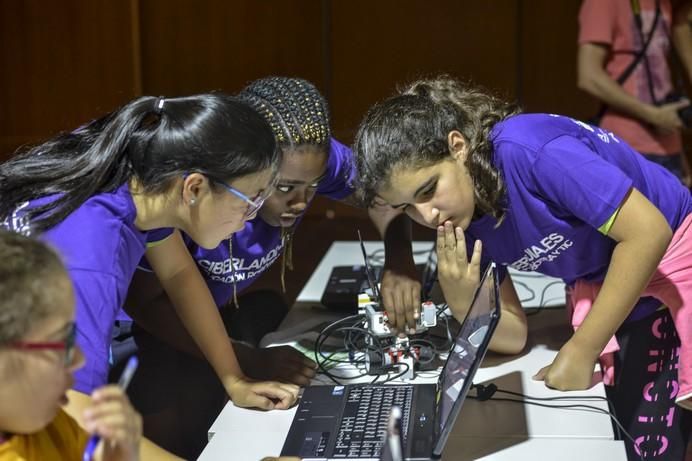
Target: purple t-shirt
[(565, 179), (100, 246), (258, 245)]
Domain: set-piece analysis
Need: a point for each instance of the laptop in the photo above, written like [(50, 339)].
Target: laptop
[(348, 422)]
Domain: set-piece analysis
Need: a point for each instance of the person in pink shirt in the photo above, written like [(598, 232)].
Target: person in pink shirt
[(640, 104)]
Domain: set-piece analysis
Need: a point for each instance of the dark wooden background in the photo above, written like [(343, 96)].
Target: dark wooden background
[(63, 63)]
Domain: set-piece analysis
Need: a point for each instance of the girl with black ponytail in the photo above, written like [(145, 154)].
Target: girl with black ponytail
[(313, 164), (202, 164)]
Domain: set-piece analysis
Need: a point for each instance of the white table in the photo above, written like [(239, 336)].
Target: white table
[(531, 287), (249, 443), (490, 430)]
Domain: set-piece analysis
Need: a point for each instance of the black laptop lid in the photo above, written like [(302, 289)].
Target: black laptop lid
[(466, 355)]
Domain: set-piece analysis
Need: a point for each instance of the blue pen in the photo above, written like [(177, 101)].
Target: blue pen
[(123, 382)]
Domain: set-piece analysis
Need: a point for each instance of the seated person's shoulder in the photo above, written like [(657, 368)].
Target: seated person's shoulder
[(61, 439)]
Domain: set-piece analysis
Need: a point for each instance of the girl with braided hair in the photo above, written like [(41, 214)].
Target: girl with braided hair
[(550, 194), (312, 163), (94, 194)]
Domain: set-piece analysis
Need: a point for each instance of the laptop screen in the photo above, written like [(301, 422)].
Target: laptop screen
[(468, 351)]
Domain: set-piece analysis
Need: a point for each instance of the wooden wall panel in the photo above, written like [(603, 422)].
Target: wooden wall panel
[(549, 59), (66, 62), (198, 46), (63, 63), (377, 45)]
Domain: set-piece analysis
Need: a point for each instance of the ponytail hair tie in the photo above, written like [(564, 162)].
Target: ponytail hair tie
[(159, 104)]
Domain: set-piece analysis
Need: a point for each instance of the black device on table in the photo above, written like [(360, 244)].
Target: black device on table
[(345, 283)]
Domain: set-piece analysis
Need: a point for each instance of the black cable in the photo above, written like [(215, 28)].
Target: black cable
[(399, 375), (431, 345), (543, 300), (326, 332), (563, 397), (486, 392), (525, 286), (441, 308), (352, 337), (420, 344), (376, 347), (330, 358), (357, 339)]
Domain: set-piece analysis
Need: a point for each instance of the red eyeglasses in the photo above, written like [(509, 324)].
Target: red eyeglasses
[(66, 344)]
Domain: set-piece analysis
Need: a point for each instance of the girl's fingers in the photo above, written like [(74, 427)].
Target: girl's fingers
[(101, 409), (451, 247), (409, 309), (450, 242), (446, 246), (111, 416), (292, 389), (116, 427), (389, 307), (399, 310), (117, 433), (109, 392), (461, 245), (440, 240), (309, 363), (259, 401), (285, 393), (415, 296), (540, 376), (475, 263)]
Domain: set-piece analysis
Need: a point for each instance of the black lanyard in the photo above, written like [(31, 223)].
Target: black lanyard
[(638, 55), (636, 12)]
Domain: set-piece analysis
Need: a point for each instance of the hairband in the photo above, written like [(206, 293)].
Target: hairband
[(159, 105)]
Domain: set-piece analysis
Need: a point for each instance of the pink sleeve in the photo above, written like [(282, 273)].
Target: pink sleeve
[(597, 20)]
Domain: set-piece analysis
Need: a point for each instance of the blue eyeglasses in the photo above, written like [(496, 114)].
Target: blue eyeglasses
[(254, 203)]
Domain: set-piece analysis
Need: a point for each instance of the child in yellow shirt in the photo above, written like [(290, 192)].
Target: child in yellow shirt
[(37, 359)]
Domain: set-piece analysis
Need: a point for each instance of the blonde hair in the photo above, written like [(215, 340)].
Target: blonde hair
[(26, 265)]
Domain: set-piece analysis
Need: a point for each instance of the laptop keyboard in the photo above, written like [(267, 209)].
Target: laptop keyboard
[(364, 421)]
